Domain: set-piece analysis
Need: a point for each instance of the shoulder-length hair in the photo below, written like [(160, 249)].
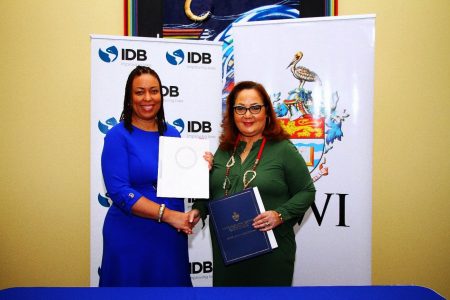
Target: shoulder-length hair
[(127, 100), (272, 129)]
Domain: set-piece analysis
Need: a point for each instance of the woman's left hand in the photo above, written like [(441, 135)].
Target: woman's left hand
[(267, 220), (209, 157), (194, 216)]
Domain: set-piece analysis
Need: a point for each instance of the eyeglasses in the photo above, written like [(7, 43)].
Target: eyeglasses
[(242, 110)]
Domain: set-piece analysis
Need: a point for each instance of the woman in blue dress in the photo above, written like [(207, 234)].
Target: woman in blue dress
[(144, 236)]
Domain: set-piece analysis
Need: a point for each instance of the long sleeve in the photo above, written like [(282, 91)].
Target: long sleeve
[(299, 182), (202, 206), (116, 171)]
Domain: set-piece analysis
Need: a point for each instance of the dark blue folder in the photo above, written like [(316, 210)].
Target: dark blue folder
[(232, 219)]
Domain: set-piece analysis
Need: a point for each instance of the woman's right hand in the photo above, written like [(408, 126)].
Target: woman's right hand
[(178, 220)]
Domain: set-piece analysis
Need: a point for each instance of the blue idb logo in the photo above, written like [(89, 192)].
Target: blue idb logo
[(179, 125), (104, 200), (104, 128), (175, 58), (109, 55)]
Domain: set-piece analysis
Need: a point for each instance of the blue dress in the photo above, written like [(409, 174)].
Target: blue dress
[(138, 251)]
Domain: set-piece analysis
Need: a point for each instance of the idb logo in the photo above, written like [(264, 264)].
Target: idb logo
[(104, 128), (134, 54), (171, 91), (193, 126), (198, 267), (175, 58), (199, 126), (179, 125), (199, 58), (109, 55), (104, 200)]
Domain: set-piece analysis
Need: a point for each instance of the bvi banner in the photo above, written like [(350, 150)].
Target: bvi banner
[(320, 75), (190, 72)]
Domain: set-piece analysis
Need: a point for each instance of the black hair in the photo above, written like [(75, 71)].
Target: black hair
[(127, 100)]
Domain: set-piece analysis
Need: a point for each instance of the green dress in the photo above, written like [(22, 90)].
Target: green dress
[(286, 186)]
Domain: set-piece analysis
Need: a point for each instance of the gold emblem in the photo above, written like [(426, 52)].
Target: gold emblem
[(235, 216)]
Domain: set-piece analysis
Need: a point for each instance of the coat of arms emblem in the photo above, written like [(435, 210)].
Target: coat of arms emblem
[(312, 121)]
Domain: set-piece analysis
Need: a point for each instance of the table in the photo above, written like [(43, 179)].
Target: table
[(209, 293)]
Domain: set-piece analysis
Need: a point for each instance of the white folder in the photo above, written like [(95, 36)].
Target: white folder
[(182, 170)]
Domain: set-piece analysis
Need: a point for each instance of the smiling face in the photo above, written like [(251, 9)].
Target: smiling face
[(251, 126), (146, 101)]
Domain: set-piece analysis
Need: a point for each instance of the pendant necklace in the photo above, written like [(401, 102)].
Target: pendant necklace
[(251, 173)]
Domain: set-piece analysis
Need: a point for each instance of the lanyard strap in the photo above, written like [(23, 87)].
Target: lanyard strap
[(251, 173)]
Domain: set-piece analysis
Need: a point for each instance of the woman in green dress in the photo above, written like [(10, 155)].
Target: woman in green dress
[(253, 139)]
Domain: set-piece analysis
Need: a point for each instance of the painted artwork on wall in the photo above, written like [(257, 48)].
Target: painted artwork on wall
[(213, 20)]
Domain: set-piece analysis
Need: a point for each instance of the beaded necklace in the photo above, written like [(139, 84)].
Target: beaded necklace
[(251, 173)]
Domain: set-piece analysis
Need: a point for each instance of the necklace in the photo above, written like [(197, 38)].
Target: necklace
[(251, 173)]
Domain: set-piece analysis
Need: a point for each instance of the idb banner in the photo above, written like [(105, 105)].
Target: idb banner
[(319, 73), (190, 72)]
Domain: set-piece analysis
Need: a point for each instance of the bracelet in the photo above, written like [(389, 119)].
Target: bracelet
[(162, 207), (281, 217)]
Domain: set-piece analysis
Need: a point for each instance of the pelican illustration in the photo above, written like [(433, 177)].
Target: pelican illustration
[(303, 74), (191, 15)]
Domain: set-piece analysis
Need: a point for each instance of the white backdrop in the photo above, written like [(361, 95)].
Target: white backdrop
[(330, 120), (191, 76), (333, 245)]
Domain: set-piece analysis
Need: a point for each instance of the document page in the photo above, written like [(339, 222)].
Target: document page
[(182, 170)]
